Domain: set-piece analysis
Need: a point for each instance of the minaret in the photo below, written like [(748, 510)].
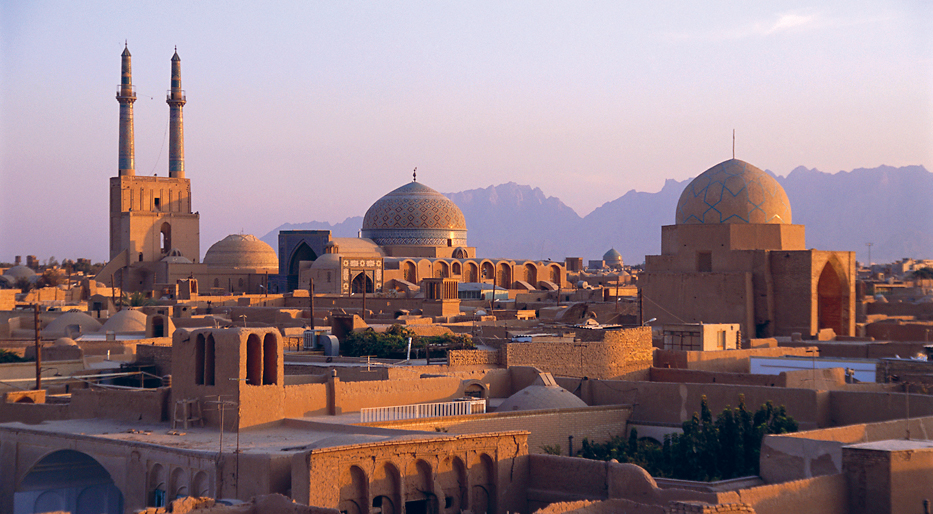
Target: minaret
[(126, 95), (176, 138)]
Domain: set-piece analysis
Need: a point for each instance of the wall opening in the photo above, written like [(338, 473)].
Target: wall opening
[(166, 234), (361, 281), (269, 359), (831, 299), (199, 343), (70, 481), (253, 360), (704, 261), (302, 252), (209, 362)]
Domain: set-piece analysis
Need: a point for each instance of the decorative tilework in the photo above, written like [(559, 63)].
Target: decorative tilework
[(415, 214), (733, 191)]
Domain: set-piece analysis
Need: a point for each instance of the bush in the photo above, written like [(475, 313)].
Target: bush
[(8, 356), (707, 450), (393, 343)]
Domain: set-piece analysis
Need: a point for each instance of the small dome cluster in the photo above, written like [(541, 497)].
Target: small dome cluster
[(241, 251), (733, 191)]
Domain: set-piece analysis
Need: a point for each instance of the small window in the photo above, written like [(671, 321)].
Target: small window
[(155, 201), (704, 261)]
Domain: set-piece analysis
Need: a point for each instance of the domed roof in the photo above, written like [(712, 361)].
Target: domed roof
[(241, 251), (65, 341), (59, 325), (733, 191), (20, 271), (125, 322), (538, 397), (175, 256), (415, 214), (612, 255)]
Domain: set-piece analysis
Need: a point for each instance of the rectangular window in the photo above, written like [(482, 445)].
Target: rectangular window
[(704, 261)]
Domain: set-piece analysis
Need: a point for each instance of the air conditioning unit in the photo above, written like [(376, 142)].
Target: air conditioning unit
[(309, 338)]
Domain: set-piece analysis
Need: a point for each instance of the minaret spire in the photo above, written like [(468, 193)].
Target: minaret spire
[(176, 141), (126, 95)]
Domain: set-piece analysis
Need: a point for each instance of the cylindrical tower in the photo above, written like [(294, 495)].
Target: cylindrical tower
[(126, 95), (176, 138)]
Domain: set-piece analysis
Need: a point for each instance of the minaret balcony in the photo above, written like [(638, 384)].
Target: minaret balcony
[(175, 96), (126, 92)]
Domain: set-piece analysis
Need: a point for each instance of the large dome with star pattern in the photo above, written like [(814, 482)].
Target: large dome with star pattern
[(415, 215), (733, 191)]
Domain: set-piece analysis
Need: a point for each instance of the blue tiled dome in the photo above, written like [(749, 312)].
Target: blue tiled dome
[(733, 191)]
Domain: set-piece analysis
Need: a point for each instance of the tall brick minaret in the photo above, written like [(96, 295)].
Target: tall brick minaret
[(176, 144), (126, 95)]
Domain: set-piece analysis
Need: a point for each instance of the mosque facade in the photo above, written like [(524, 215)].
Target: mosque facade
[(734, 255)]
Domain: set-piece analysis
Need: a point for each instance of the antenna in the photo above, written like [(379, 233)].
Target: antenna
[(733, 143), (414, 175)]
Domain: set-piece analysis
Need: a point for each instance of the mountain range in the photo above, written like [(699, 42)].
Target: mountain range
[(887, 206)]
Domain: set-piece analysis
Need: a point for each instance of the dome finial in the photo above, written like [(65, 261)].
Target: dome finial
[(414, 175), (733, 143)]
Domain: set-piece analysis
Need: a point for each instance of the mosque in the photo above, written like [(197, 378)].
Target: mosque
[(734, 255), (408, 235)]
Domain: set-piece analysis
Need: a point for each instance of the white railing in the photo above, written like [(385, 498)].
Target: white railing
[(422, 410)]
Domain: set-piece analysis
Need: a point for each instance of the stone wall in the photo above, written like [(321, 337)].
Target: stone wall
[(615, 354), (546, 427)]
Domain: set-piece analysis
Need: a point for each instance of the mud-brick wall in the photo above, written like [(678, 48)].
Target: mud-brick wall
[(547, 427), (160, 355), (625, 354), (353, 396), (144, 405), (305, 400), (705, 508), (473, 358)]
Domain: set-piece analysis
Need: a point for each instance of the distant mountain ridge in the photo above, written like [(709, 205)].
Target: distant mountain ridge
[(887, 206)]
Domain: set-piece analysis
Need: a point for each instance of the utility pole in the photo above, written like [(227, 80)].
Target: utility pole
[(311, 300), (38, 349)]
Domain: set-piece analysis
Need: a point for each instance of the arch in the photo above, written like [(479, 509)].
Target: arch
[(455, 268), (531, 274), (555, 273), (488, 271), (354, 490), (210, 366), (68, 480), (270, 359), (419, 488), (832, 298), (472, 272), (359, 280), (302, 252), (452, 477), (156, 485), (504, 275), (459, 253), (199, 343), (410, 272), (476, 389), (253, 360), (178, 484), (25, 399), (200, 485), (386, 484), (216, 282), (482, 479), (441, 269), (166, 237)]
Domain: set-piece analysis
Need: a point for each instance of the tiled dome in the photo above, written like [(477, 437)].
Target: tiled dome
[(733, 191), (612, 255), (241, 251), (417, 215)]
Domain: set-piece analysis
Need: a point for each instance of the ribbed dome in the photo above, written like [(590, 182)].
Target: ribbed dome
[(733, 191), (19, 271), (415, 214), (241, 251)]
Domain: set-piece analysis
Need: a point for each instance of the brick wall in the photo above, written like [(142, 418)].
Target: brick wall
[(705, 508), (473, 358), (600, 354), (160, 355), (546, 427)]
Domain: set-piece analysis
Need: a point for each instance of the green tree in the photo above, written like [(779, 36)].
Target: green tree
[(922, 273)]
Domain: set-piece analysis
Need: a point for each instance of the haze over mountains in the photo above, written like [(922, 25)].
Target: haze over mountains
[(890, 207)]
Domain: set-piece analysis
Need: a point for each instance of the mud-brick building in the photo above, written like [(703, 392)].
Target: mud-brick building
[(734, 256)]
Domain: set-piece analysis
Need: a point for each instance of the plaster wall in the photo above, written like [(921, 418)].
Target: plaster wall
[(623, 353), (305, 400), (144, 405), (727, 361), (545, 427), (353, 396)]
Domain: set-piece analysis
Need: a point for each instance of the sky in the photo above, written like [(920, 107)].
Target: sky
[(301, 111)]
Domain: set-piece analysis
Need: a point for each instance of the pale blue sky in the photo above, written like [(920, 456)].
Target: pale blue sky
[(312, 110)]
